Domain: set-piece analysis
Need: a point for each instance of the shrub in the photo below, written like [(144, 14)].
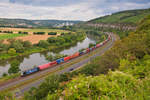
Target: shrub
[(14, 67), (43, 43), (22, 32), (18, 45), (4, 74), (27, 44), (52, 33), (12, 51), (39, 33)]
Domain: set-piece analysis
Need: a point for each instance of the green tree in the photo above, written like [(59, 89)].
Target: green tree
[(50, 85), (27, 44), (43, 43), (18, 45), (14, 67)]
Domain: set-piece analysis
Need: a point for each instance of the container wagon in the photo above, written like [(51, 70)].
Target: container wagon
[(30, 71)]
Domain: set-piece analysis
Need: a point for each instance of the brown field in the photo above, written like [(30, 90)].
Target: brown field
[(34, 39), (13, 29)]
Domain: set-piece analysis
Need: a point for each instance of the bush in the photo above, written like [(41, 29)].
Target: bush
[(62, 33), (91, 45), (8, 32), (4, 74), (18, 45), (14, 67), (50, 85), (52, 33), (12, 51), (27, 44), (22, 32), (39, 33), (43, 44)]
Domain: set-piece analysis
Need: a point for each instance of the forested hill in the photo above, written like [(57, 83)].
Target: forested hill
[(130, 17), (4, 22)]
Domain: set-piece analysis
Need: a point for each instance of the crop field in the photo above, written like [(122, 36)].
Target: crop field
[(34, 38), (30, 37), (10, 36), (16, 30)]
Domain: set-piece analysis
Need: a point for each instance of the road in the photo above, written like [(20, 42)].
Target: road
[(21, 90)]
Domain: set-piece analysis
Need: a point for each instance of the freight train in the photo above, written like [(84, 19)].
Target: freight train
[(65, 59)]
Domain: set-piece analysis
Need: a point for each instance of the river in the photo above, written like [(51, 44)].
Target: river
[(36, 59)]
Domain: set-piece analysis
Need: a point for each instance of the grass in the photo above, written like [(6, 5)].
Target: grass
[(6, 56), (34, 30), (4, 79), (9, 36), (46, 30)]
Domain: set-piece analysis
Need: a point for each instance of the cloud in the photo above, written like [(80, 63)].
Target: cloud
[(66, 9)]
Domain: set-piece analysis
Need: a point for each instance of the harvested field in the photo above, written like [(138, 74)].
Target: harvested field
[(13, 29), (32, 38), (30, 31)]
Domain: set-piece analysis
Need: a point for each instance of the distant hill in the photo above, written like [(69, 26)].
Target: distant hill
[(4, 22), (124, 17)]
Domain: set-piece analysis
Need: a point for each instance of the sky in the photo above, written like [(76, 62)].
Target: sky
[(66, 9)]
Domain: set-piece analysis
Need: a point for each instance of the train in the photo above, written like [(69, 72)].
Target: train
[(65, 59)]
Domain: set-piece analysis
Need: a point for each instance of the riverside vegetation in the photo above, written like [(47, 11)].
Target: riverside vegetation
[(19, 47)]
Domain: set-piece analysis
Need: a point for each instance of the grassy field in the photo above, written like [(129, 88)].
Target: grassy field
[(16, 30), (10, 36)]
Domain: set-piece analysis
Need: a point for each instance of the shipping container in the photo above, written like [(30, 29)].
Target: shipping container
[(60, 60), (81, 53), (30, 71), (67, 58), (75, 55), (45, 66), (98, 45), (53, 63), (93, 48)]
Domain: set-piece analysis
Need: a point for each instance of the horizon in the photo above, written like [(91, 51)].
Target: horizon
[(79, 10)]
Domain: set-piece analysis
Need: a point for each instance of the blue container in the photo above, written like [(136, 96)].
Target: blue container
[(81, 53), (60, 60), (32, 70)]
